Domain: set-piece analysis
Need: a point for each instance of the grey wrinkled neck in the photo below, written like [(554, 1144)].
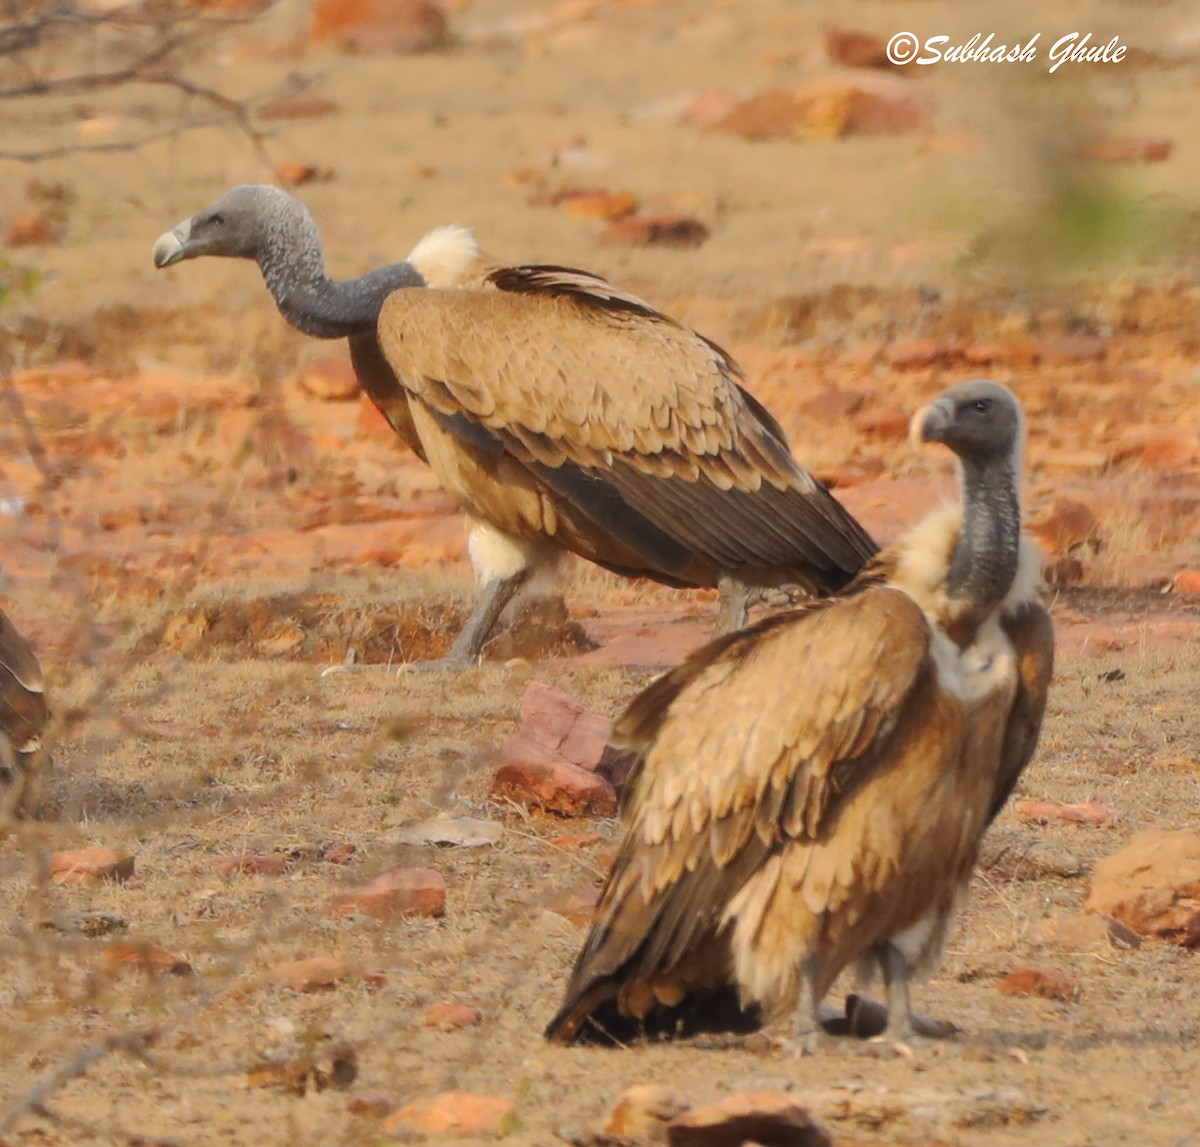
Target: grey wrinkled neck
[(983, 566), (293, 265)]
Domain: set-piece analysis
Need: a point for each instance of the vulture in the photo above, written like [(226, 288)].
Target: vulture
[(561, 412), (23, 713), (810, 793)]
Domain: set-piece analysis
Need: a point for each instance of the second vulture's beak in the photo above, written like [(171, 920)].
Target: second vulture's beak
[(173, 246), (931, 422)]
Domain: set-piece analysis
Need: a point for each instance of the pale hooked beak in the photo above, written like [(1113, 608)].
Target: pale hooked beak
[(931, 422), (172, 246)]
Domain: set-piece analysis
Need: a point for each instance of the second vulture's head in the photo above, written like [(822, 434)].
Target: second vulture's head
[(239, 225), (978, 420)]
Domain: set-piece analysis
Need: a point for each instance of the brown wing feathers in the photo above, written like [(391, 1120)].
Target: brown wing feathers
[(23, 711), (607, 395)]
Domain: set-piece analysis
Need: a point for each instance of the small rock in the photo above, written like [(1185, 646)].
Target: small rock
[(30, 231), (1170, 450), (341, 852), (1129, 150), (889, 423), (369, 1105), (578, 905), (379, 26), (1187, 581), (574, 840), (1022, 855), (455, 1112), (293, 173), (372, 425), (313, 974), (655, 231), (458, 831), (298, 107), (760, 1117), (601, 205), (1044, 811), (1077, 933), (452, 1016), (554, 786), (398, 891), (1048, 983), (75, 866), (146, 957), (331, 379), (643, 1111), (856, 49), (1065, 525), (252, 865), (1152, 885)]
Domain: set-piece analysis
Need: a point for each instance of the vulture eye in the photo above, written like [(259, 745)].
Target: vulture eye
[(983, 405), (217, 220)]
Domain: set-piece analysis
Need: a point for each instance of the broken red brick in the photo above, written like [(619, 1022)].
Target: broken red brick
[(1089, 813), (454, 1112), (452, 1016), (398, 891), (1048, 983), (74, 866)]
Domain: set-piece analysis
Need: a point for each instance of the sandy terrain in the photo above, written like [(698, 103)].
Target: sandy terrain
[(190, 536)]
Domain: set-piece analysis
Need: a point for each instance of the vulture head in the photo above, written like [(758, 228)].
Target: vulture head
[(978, 420), (238, 225)]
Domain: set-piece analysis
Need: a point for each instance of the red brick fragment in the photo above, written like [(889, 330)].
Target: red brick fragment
[(398, 891), (75, 866), (1048, 983)]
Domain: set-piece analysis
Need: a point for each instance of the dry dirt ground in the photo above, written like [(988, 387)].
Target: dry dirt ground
[(189, 537)]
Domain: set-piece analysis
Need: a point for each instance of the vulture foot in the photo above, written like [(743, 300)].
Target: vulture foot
[(733, 605), (867, 1018)]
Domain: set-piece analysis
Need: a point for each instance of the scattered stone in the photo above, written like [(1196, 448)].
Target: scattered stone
[(575, 840), (453, 1016), (1077, 933), (1152, 885), (75, 866), (393, 27), (554, 786), (293, 173), (1134, 149), (759, 1117), (251, 865), (643, 1111), (655, 231), (327, 1065), (889, 423), (331, 379), (600, 205), (398, 891), (1170, 450), (919, 1109), (341, 852), (1065, 525), (1026, 856), (455, 1112), (856, 49), (145, 957), (318, 973), (446, 831), (1044, 811), (578, 905), (368, 1105), (91, 924), (867, 105), (298, 107), (1187, 581), (1048, 983), (30, 231)]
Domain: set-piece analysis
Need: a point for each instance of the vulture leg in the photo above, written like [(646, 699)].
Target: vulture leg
[(900, 1033), (468, 645), (733, 597), (807, 1031)]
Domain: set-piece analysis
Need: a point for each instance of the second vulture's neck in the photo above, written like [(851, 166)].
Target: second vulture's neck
[(984, 564), (293, 266)]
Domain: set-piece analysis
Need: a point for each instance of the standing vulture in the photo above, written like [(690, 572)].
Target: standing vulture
[(562, 412), (23, 712), (812, 792)]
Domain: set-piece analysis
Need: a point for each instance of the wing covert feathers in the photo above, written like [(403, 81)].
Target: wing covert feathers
[(575, 377), (23, 711), (752, 743)]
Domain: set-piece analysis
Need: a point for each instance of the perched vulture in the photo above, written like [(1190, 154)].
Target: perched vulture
[(562, 412), (811, 792), (23, 713)]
